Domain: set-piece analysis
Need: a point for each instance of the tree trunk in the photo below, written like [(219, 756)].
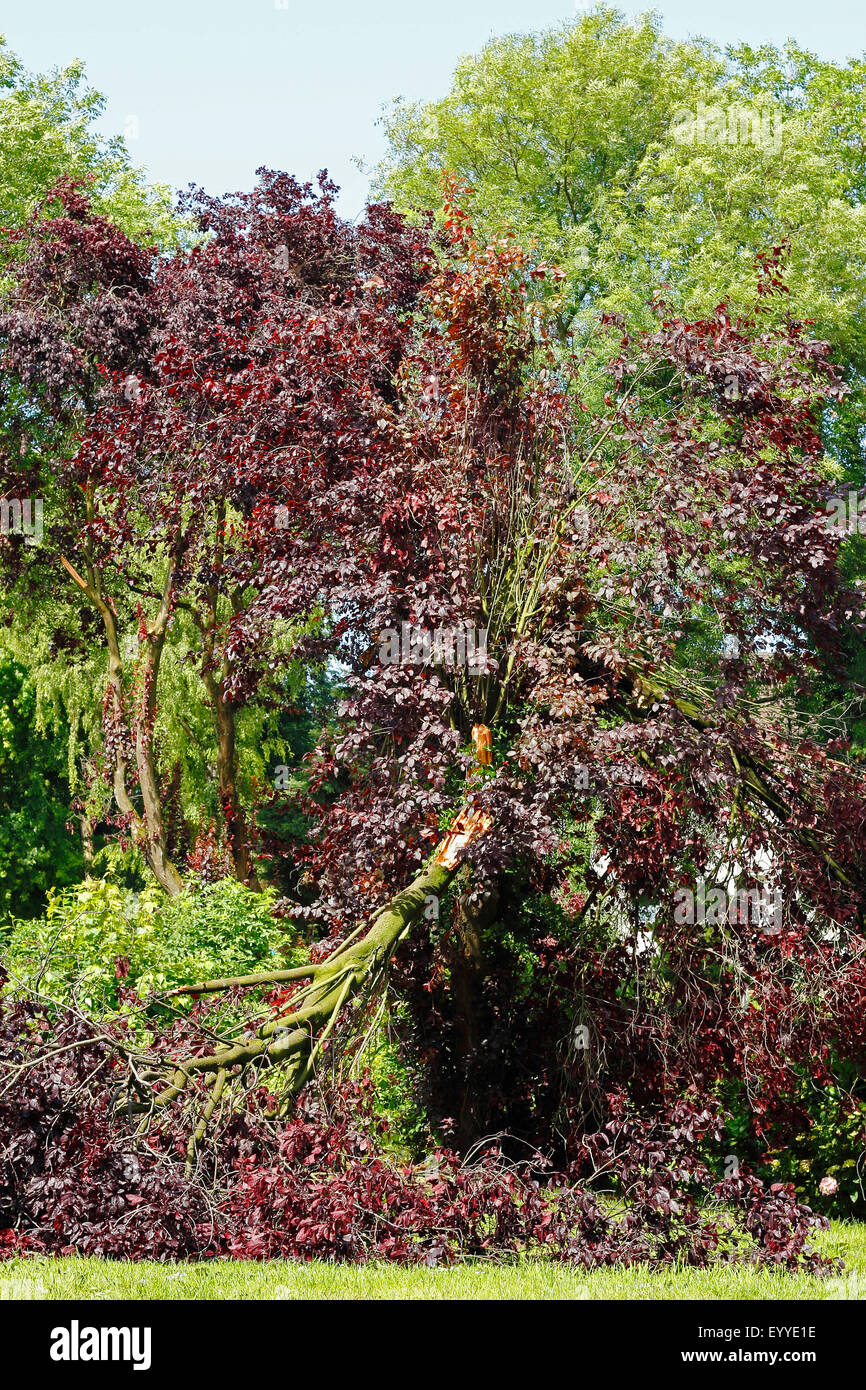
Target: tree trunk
[(215, 676), (467, 993), (147, 830), (296, 1039), (86, 827)]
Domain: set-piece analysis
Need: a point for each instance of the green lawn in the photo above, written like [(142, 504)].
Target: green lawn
[(530, 1279)]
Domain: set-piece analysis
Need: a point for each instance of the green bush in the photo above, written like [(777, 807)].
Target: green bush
[(97, 936), (831, 1145), (829, 1141), (218, 929), (396, 1084), (73, 949)]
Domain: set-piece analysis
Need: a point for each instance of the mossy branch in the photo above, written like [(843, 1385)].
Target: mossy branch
[(293, 1040)]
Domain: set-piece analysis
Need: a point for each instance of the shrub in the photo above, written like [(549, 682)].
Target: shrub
[(84, 934), (97, 940), (217, 929)]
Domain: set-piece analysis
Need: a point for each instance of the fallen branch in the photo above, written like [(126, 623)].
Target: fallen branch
[(295, 1039)]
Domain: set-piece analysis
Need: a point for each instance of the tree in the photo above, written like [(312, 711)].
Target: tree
[(631, 161), (647, 845), (548, 130), (46, 133), (84, 303), (158, 399)]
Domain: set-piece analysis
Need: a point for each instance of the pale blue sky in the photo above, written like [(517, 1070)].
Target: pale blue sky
[(217, 87)]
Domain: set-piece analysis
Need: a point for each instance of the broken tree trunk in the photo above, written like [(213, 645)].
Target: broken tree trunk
[(295, 1040)]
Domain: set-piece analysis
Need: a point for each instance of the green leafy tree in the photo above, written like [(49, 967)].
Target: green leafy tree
[(635, 162), (49, 702), (47, 132)]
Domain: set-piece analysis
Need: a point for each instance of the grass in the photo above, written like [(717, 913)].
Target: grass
[(80, 1278)]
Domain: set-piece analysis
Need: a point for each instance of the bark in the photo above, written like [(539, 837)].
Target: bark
[(234, 818), (155, 847), (147, 829), (467, 993), (86, 827), (295, 1039)]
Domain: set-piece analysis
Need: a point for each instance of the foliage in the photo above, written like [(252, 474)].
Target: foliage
[(397, 1086), (97, 941), (207, 931), (318, 1184), (103, 340), (37, 849), (337, 432), (47, 132), (81, 943), (549, 130), (576, 138), (823, 1142), (620, 541)]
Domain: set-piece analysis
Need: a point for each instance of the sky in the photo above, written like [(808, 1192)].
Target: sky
[(207, 90)]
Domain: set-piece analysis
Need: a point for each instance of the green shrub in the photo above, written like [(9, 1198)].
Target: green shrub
[(97, 936), (832, 1145), (396, 1087), (72, 951), (215, 930), (829, 1141)]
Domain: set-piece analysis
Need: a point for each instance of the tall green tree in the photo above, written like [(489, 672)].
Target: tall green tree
[(48, 695), (635, 161), (48, 131)]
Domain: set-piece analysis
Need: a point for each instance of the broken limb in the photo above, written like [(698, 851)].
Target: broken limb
[(294, 1040)]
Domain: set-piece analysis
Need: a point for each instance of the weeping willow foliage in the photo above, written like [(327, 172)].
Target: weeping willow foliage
[(69, 686)]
